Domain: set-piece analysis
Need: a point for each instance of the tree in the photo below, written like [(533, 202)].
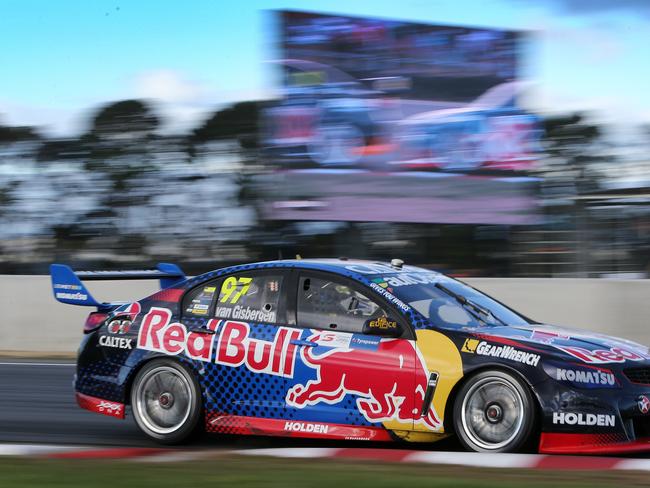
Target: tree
[(574, 150), (10, 135), (239, 122), (126, 119)]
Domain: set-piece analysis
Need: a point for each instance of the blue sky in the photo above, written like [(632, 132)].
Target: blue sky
[(60, 58)]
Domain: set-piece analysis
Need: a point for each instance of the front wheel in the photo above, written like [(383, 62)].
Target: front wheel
[(494, 411), (166, 401)]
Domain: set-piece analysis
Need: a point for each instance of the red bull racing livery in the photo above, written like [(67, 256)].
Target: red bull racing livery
[(342, 349)]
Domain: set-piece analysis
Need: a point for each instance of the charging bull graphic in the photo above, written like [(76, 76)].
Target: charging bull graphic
[(389, 381)]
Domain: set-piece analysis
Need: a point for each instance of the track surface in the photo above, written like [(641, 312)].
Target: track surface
[(37, 405)]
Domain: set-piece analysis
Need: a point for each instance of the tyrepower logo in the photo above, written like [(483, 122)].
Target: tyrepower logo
[(482, 348), (602, 356), (589, 419), (234, 346)]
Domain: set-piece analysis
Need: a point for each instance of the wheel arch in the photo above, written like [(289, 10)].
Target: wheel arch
[(128, 386), (451, 400)]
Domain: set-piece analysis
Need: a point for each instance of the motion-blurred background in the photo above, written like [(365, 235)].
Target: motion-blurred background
[(481, 138)]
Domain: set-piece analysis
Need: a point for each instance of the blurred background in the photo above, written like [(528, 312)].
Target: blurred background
[(500, 138)]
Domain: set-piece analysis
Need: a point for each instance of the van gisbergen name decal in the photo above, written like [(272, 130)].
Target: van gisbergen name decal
[(234, 346)]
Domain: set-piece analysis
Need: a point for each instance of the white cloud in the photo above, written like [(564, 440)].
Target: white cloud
[(51, 121), (182, 102), (169, 86), (592, 43), (619, 111)]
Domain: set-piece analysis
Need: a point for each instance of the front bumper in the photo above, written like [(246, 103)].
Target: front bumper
[(594, 421), (563, 443)]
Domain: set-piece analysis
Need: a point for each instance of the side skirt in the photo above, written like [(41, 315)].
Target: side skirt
[(240, 425)]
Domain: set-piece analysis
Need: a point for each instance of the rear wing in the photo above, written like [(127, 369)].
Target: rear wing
[(68, 288)]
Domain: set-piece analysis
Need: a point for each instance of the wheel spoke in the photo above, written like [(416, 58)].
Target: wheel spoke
[(492, 413), (163, 400)]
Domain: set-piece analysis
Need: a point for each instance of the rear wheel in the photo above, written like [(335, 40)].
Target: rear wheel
[(494, 411), (166, 401)]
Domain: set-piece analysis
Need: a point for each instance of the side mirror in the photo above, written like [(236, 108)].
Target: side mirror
[(382, 326)]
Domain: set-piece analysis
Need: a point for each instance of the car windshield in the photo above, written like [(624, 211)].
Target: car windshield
[(447, 302)]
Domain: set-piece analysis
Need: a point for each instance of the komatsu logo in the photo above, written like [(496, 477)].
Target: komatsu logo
[(591, 419), (585, 377)]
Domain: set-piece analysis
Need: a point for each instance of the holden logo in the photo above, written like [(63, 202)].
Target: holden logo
[(644, 404)]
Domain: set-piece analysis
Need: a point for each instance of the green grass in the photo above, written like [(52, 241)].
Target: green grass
[(246, 471)]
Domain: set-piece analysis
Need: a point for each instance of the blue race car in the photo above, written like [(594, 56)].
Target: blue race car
[(343, 349)]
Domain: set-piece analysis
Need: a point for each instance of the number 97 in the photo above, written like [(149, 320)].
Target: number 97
[(234, 288)]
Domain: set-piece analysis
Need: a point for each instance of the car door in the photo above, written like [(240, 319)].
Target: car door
[(251, 353), (344, 376)]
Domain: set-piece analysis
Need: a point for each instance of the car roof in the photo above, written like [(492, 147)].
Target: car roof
[(355, 268)]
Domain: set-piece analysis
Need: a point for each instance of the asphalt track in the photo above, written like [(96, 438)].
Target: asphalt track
[(37, 406)]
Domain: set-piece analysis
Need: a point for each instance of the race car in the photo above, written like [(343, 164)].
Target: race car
[(358, 350), (492, 133)]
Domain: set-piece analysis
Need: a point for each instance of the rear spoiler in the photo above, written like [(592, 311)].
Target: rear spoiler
[(68, 288)]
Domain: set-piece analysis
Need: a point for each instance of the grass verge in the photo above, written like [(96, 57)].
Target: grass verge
[(243, 471)]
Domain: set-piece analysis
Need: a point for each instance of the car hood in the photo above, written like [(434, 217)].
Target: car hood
[(583, 345)]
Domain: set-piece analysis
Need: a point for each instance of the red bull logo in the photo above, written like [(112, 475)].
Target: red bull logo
[(390, 381), (234, 346), (603, 356)]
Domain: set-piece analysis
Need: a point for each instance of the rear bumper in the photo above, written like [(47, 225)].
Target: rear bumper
[(99, 405), (554, 443)]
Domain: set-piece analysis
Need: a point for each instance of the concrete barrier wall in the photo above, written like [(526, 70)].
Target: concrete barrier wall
[(33, 321)]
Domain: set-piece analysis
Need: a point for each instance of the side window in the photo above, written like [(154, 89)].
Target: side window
[(197, 302), (250, 297), (324, 304)]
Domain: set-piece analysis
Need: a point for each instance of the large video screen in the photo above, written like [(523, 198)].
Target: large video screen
[(421, 120)]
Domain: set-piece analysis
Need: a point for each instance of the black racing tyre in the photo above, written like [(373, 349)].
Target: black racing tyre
[(166, 401), (494, 411)]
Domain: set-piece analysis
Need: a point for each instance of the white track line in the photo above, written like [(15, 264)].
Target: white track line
[(476, 459), (17, 363), (291, 452), (33, 449)]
